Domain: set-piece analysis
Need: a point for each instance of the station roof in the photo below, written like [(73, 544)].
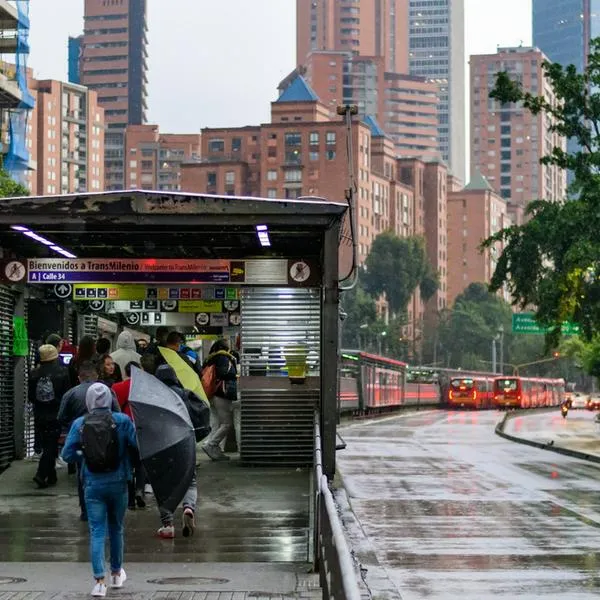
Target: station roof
[(147, 224)]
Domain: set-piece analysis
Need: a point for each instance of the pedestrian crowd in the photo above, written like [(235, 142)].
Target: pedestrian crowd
[(85, 408)]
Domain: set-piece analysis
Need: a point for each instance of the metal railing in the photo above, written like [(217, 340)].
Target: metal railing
[(332, 555)]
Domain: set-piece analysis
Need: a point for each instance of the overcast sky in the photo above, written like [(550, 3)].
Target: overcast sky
[(216, 63)]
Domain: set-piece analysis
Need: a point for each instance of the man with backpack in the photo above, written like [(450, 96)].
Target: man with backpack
[(47, 385), (73, 406), (200, 416), (219, 379), (104, 441)]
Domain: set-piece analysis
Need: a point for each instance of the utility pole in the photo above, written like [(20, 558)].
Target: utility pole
[(501, 331), (494, 369)]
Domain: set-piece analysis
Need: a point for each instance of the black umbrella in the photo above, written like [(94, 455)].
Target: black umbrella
[(165, 435)]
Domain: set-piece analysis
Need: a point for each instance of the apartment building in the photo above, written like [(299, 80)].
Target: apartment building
[(507, 140), (65, 137), (154, 159), (113, 62)]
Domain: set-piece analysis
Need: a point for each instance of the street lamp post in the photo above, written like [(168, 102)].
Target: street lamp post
[(494, 368), (501, 332)]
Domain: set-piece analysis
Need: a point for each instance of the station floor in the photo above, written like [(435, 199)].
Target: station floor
[(252, 538)]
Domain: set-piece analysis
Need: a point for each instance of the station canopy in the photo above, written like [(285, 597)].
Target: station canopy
[(148, 224)]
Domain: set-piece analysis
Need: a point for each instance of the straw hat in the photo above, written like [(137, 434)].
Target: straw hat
[(48, 352)]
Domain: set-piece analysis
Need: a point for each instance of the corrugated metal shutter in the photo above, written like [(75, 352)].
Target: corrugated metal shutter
[(281, 330), (7, 414)]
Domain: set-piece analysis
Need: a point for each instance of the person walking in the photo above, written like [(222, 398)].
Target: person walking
[(85, 351), (73, 406), (224, 373), (166, 374), (47, 385), (103, 441), (108, 372), (125, 352)]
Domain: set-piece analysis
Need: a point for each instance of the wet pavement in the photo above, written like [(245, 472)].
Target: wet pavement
[(246, 518), (446, 509), (578, 431)]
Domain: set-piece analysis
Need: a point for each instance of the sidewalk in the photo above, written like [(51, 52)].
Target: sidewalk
[(578, 433), (252, 540)]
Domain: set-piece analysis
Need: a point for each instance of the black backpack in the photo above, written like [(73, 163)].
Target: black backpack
[(100, 442), (199, 414)]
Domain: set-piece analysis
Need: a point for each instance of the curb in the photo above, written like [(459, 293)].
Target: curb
[(542, 446)]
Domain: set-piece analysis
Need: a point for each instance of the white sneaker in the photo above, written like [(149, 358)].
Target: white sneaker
[(148, 489), (117, 581), (99, 590), (166, 532)]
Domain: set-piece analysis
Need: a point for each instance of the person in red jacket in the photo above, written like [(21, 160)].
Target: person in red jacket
[(121, 390)]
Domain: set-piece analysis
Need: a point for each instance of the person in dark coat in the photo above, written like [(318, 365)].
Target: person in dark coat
[(221, 403), (47, 385), (85, 351), (166, 374)]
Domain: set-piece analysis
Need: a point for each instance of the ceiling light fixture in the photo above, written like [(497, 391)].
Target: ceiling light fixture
[(42, 240), (263, 235)]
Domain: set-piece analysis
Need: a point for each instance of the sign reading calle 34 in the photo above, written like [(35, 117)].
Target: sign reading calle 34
[(526, 323)]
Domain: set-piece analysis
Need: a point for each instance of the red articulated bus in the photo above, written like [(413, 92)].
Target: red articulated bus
[(527, 392), (470, 391)]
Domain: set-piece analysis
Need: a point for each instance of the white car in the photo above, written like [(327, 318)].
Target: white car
[(579, 400)]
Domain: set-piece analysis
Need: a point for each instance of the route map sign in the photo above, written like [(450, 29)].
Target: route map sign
[(526, 323)]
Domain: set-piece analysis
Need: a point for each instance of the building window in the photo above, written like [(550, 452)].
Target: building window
[(330, 154), (211, 179), (314, 156), (293, 139), (216, 145), (272, 152), (236, 144), (230, 178), (271, 193), (314, 138), (293, 175), (330, 138), (133, 164)]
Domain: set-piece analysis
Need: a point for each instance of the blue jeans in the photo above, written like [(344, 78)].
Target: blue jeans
[(106, 503)]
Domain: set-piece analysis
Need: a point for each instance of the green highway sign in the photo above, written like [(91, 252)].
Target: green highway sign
[(526, 323)]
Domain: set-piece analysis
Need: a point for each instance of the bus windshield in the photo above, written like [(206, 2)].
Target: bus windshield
[(507, 385), (461, 384)]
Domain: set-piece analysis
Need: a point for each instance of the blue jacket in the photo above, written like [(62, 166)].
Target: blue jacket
[(127, 441)]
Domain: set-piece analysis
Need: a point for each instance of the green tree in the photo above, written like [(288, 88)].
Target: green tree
[(361, 315), (552, 262), (467, 330), (9, 187), (397, 266)]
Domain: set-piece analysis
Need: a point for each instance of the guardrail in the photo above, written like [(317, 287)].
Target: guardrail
[(332, 555)]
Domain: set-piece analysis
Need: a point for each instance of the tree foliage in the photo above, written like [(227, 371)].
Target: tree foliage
[(397, 266), (9, 187), (552, 262)]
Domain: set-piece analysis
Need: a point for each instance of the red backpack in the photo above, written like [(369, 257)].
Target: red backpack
[(209, 380)]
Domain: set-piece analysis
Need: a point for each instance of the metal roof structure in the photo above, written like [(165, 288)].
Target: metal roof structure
[(149, 224), (298, 91)]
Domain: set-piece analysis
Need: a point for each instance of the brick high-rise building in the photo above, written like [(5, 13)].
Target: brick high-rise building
[(65, 139), (507, 140), (376, 28), (302, 152), (474, 214), (404, 105), (436, 34), (154, 159), (114, 64)]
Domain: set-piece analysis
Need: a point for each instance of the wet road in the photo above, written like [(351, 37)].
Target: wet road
[(450, 510)]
